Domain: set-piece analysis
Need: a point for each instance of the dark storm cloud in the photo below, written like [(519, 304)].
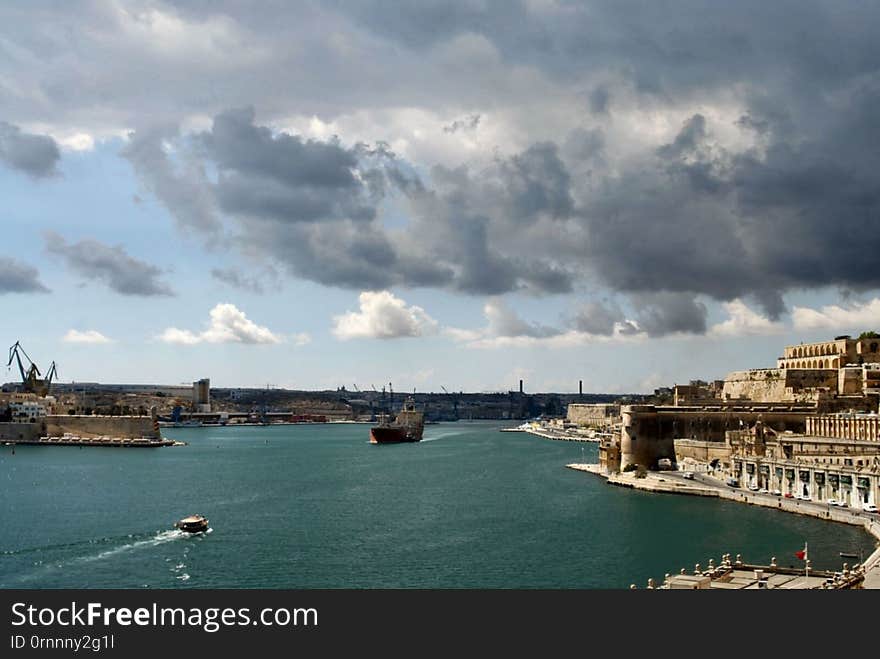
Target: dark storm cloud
[(596, 318), (505, 322), (770, 183), (251, 283), (669, 313), (181, 187), (35, 155), (284, 178), (313, 206), (466, 124), (112, 266), (18, 277), (600, 100)]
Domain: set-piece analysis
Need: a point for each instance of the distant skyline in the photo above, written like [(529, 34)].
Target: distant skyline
[(449, 194)]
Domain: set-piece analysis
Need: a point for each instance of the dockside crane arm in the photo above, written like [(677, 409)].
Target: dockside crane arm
[(15, 352), (53, 373)]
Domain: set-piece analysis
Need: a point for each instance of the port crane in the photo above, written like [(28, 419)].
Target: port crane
[(454, 400), (31, 378)]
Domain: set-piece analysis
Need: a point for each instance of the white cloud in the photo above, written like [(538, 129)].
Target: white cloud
[(856, 316), (742, 321), (88, 336), (227, 325), (383, 316), (301, 339), (179, 336)]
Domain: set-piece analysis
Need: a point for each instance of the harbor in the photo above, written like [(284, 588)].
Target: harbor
[(318, 506)]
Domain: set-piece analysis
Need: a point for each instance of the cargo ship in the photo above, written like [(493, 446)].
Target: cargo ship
[(406, 427)]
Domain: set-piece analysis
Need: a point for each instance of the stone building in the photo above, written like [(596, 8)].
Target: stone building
[(864, 427), (593, 415), (840, 352), (649, 432), (800, 397), (820, 468), (697, 392), (609, 455)]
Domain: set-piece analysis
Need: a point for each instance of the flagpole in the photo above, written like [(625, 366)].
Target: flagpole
[(806, 560)]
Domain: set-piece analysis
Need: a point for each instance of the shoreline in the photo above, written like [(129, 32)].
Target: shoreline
[(559, 437), (669, 483)]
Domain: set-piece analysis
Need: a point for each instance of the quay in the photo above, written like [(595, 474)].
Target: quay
[(738, 575), (673, 482), (125, 442), (556, 435)]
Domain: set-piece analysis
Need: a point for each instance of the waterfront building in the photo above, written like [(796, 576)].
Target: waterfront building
[(822, 468), (857, 426), (829, 390), (202, 395), (26, 411)]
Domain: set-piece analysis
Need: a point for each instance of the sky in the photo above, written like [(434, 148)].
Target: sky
[(452, 194)]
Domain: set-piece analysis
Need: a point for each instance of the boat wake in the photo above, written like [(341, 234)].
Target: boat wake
[(160, 538), (442, 435), (127, 540), (47, 559)]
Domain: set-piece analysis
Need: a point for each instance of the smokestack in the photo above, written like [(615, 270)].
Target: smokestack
[(520, 386), (580, 387)]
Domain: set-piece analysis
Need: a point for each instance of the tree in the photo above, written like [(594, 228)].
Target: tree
[(869, 335)]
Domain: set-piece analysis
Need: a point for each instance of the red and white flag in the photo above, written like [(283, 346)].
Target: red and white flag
[(802, 554)]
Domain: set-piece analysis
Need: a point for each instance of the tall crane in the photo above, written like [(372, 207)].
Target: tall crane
[(31, 378)]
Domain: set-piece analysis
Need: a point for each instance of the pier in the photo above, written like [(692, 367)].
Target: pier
[(672, 482), (125, 442), (556, 435)]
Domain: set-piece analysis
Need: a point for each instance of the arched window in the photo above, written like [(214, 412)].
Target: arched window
[(874, 346)]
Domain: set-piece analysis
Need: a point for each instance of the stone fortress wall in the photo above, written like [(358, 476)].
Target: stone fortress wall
[(126, 427), (779, 384), (596, 415)]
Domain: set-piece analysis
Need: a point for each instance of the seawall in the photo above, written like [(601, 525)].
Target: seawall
[(125, 427)]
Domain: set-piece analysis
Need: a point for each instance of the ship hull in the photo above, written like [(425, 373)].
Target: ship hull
[(390, 435)]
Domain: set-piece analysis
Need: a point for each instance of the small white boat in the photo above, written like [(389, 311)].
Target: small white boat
[(192, 524)]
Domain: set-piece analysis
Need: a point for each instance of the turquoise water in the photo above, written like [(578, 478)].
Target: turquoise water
[(319, 507)]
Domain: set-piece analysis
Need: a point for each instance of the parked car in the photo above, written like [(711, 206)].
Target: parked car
[(788, 495), (689, 475), (732, 482), (869, 508), (776, 493), (753, 488), (832, 502)]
